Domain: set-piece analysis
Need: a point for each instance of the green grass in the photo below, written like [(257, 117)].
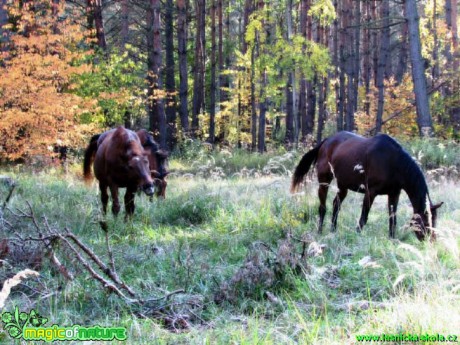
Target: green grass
[(201, 234)]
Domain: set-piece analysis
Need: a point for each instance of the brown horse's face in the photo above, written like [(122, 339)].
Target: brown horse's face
[(138, 169), (158, 171), (424, 224)]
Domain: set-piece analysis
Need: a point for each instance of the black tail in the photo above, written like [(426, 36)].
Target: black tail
[(304, 165), (89, 157)]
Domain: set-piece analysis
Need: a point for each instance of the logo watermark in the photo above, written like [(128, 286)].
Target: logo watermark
[(31, 326)]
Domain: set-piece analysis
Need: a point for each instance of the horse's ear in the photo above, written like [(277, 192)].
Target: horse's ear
[(155, 173), (435, 207)]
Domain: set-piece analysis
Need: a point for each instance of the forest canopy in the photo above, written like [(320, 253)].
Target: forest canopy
[(253, 74)]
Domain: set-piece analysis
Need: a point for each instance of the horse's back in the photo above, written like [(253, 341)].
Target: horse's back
[(356, 161), (112, 146), (338, 151)]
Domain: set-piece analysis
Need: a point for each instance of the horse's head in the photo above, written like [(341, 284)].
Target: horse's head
[(157, 162), (159, 180), (137, 164), (425, 223)]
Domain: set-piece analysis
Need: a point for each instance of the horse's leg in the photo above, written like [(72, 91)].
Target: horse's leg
[(322, 194), (367, 203), (104, 197), (115, 201), (393, 200), (337, 203), (129, 202)]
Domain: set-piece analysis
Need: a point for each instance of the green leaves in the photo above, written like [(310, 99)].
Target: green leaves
[(14, 323), (117, 83)]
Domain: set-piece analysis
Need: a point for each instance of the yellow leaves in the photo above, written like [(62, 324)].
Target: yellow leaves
[(398, 100)]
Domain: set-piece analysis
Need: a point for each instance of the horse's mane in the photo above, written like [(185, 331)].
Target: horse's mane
[(414, 180)]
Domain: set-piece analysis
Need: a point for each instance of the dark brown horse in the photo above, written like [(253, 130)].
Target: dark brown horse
[(119, 162), (375, 166), (157, 161), (157, 158)]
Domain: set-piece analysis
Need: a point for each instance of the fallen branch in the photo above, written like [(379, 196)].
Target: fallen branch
[(173, 314), (110, 273), (111, 287), (12, 282)]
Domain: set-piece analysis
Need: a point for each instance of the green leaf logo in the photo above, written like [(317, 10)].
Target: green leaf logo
[(14, 323)]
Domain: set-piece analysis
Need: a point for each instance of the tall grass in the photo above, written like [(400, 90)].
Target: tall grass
[(202, 233)]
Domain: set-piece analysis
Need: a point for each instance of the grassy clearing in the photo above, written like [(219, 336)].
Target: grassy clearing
[(214, 217)]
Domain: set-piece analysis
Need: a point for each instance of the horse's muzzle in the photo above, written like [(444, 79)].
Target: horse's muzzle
[(149, 189)]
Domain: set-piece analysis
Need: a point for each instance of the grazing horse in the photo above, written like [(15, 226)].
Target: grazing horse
[(119, 162), (157, 158), (157, 161), (374, 166)]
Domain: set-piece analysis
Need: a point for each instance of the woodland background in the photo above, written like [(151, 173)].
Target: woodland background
[(239, 73), (229, 256)]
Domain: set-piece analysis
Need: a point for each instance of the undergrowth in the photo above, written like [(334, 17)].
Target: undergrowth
[(223, 224)]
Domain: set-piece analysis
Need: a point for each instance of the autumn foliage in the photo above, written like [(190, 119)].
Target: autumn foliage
[(37, 107)]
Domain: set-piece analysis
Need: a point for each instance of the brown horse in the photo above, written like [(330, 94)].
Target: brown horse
[(374, 166), (119, 162), (157, 161), (157, 158)]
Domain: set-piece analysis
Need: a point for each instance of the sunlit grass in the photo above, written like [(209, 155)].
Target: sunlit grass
[(200, 235)]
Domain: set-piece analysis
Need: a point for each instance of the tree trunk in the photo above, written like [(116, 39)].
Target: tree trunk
[(290, 128), (182, 57), (262, 113), (94, 8), (353, 62), (375, 41), (263, 101), (302, 113), (455, 111), (424, 120), (311, 92), (222, 96), (212, 101), (343, 55), (253, 97), (322, 90), (124, 24), (199, 70), (435, 69), (248, 8), (384, 49), (367, 57), (170, 83), (154, 64), (402, 63)]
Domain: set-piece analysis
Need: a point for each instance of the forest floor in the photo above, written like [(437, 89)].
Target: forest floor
[(238, 259)]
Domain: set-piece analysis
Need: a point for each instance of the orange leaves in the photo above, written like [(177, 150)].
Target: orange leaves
[(36, 109), (399, 99)]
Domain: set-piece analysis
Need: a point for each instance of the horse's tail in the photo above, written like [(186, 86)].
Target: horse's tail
[(89, 158), (304, 166)]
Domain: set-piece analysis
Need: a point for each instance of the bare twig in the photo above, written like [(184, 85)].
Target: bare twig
[(111, 274), (109, 249), (12, 185), (167, 296), (111, 287), (59, 266)]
